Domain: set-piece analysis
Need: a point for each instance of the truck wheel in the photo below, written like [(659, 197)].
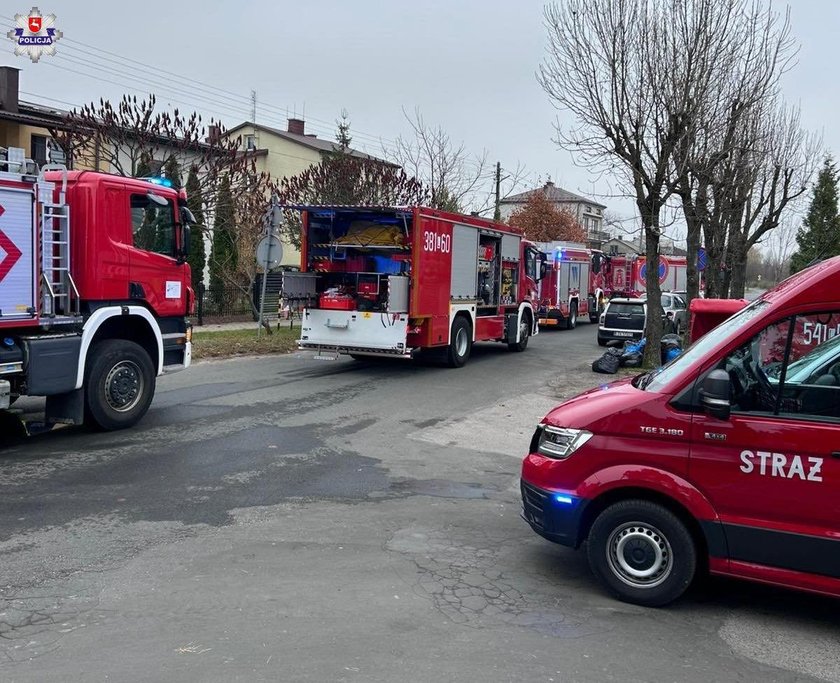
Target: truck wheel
[(642, 553), (119, 386), (524, 334), (460, 343), (602, 342), (571, 322)]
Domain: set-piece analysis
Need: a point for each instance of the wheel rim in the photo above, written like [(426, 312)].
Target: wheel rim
[(523, 329), (639, 555), (461, 342), (124, 386)]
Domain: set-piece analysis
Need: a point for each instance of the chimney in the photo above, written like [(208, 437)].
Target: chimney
[(296, 126), (9, 88), (214, 134)]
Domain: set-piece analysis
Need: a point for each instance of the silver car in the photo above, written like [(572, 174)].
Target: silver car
[(675, 305)]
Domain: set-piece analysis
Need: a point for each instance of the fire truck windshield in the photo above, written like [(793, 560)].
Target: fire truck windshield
[(658, 379)]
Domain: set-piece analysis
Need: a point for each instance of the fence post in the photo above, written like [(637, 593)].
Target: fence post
[(200, 307)]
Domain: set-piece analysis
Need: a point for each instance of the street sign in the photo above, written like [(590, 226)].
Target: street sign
[(701, 259), (270, 252)]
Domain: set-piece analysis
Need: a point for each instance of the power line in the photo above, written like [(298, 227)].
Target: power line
[(370, 138)]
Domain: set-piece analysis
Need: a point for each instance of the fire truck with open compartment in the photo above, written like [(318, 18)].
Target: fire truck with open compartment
[(94, 290), (379, 281)]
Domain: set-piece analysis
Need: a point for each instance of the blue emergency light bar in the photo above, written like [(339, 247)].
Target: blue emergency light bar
[(164, 182)]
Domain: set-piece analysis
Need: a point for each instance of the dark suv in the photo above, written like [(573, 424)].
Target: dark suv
[(623, 319)]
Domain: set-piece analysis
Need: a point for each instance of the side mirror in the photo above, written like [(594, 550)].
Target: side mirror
[(543, 270), (187, 215), (714, 394), (186, 239)]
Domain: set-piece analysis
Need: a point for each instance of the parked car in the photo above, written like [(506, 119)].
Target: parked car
[(675, 304), (621, 320)]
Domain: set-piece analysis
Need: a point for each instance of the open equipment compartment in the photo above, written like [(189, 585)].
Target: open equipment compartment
[(355, 253)]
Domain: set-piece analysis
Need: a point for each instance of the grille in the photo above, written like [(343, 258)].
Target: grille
[(533, 501)]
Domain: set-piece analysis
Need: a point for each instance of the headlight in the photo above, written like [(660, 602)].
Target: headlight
[(560, 442)]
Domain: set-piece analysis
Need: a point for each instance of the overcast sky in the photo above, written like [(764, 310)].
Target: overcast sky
[(469, 65)]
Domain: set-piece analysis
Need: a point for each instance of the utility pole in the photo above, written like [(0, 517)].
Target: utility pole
[(497, 214)]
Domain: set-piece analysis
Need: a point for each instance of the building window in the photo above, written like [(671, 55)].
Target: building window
[(38, 149), (250, 142)]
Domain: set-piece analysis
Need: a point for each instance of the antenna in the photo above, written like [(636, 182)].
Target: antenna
[(253, 106)]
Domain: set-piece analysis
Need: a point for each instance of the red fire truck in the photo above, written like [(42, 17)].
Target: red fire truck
[(626, 275), (575, 284), (728, 457), (94, 291), (397, 281)]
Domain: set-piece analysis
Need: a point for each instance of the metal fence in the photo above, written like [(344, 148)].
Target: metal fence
[(225, 303)]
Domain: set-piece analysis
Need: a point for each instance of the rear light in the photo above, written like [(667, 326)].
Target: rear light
[(559, 442), (190, 301)]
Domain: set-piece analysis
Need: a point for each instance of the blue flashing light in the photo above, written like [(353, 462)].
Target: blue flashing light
[(164, 182), (564, 499)]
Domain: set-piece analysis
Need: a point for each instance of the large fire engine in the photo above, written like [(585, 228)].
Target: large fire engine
[(397, 281), (579, 281), (94, 290), (626, 275), (576, 283)]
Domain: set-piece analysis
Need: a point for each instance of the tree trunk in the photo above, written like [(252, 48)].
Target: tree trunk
[(692, 276), (653, 326), (738, 266)]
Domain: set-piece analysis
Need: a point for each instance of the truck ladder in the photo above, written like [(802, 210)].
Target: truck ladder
[(60, 301)]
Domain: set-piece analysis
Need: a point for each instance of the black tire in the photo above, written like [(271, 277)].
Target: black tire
[(119, 384), (602, 342), (572, 320), (642, 553), (460, 343), (524, 334)]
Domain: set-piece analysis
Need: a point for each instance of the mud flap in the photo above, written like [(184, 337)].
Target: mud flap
[(67, 408), (511, 328)]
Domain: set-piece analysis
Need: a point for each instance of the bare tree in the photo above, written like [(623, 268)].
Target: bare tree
[(635, 75), (773, 179), (724, 184), (778, 247), (450, 173)]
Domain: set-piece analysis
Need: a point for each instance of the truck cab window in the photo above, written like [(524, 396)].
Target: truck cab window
[(153, 226), (790, 372)]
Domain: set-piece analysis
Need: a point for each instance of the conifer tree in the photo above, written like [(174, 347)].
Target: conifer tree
[(197, 257), (819, 236), (223, 254)]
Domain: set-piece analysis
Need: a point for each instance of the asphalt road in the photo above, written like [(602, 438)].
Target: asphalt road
[(286, 519)]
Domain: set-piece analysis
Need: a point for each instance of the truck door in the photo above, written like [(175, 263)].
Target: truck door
[(156, 276), (772, 470)]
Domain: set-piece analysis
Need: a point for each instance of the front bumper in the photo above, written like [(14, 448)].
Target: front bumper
[(554, 515)]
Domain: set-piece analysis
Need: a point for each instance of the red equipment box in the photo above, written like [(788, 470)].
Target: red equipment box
[(337, 303)]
